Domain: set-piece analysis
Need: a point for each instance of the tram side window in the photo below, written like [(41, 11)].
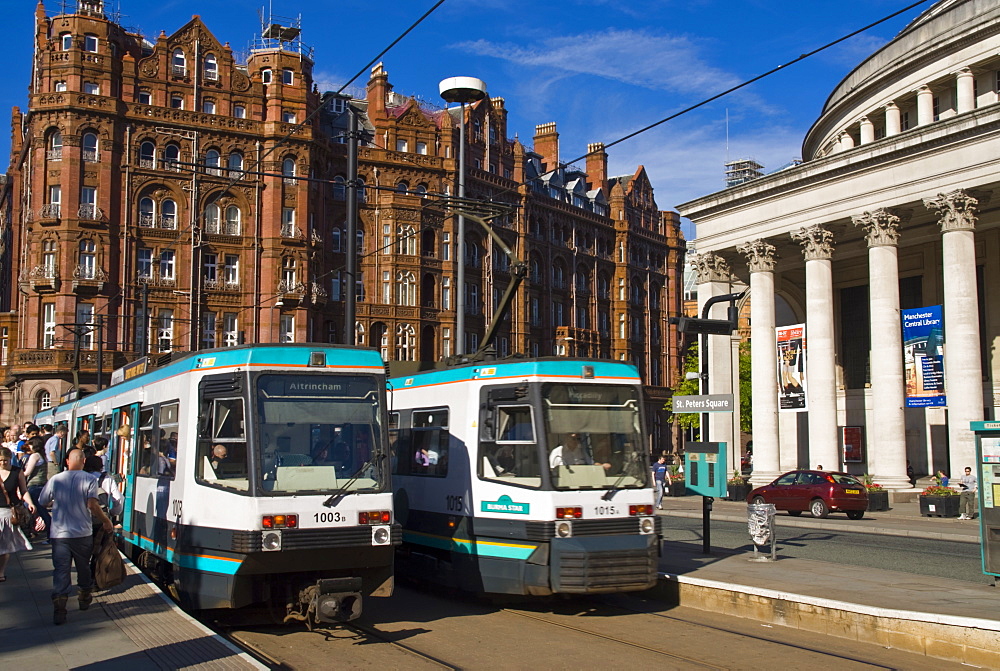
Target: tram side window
[(144, 457), (429, 446), (166, 459), (513, 455), (394, 436), (222, 448)]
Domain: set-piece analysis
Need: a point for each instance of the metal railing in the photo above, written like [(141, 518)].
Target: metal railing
[(90, 213)]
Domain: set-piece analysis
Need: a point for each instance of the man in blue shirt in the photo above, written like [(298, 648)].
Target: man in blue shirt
[(75, 506), (659, 477)]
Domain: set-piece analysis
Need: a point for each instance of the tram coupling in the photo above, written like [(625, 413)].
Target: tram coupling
[(330, 600)]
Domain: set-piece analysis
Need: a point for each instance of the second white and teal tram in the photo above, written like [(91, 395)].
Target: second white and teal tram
[(254, 475), (488, 502)]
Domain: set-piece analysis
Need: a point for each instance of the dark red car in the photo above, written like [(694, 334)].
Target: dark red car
[(819, 492)]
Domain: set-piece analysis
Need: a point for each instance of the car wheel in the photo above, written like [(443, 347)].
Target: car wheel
[(757, 500), (855, 514), (818, 509), (794, 513)]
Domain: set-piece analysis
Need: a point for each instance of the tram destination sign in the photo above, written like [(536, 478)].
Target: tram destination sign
[(704, 403)]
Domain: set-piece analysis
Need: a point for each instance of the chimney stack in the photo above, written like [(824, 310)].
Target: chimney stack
[(378, 90), (547, 145), (597, 165)]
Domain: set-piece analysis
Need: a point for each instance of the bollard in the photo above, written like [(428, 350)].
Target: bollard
[(760, 524)]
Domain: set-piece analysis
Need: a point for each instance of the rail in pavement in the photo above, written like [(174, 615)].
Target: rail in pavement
[(131, 624), (940, 618)]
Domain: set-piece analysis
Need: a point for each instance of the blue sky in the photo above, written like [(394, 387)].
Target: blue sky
[(598, 68)]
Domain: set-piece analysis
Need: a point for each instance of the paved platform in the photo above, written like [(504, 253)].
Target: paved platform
[(946, 619), (133, 625)]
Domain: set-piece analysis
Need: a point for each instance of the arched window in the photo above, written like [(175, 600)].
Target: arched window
[(212, 218), (87, 268), (171, 157), (288, 170), (472, 253), (147, 155), (335, 240), (44, 400), (55, 146), (558, 276), (168, 214), (361, 191), (233, 217), (421, 190), (211, 68), (406, 288), (359, 333), (402, 187), (147, 212), (212, 159), (405, 343), (339, 188), (236, 165), (603, 287), (178, 63), (536, 271), (406, 237), (89, 146)]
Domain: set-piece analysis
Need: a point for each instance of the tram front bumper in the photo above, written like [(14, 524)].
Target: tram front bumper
[(595, 564)]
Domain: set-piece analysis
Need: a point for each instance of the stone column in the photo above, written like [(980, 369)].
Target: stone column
[(846, 141), (893, 124), (925, 106), (867, 130), (963, 367), (886, 437), (966, 91), (821, 376), (764, 382), (715, 279)]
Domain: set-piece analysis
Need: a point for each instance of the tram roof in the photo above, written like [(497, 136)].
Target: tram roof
[(289, 356), (561, 369)]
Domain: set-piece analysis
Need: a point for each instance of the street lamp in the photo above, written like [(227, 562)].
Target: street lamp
[(461, 90)]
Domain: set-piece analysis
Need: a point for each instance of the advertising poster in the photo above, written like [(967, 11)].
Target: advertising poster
[(791, 342), (923, 357), (854, 444)]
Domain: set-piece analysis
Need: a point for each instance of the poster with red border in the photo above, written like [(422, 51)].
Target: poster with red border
[(791, 343)]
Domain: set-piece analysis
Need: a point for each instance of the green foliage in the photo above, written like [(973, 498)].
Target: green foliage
[(686, 420), (746, 389)]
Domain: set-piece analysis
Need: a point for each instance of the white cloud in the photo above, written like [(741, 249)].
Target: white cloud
[(659, 62)]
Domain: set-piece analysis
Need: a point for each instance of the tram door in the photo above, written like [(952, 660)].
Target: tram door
[(126, 421)]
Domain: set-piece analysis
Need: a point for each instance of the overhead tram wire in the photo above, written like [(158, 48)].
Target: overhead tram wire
[(721, 94)]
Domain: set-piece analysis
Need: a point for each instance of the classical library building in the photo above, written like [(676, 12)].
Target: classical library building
[(872, 266)]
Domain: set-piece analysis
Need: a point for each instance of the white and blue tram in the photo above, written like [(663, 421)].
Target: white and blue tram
[(254, 474), (490, 494)]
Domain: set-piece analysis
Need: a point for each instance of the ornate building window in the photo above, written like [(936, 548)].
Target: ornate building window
[(235, 165), (145, 98), (208, 326), (233, 220), (232, 271), (171, 157), (66, 41), (208, 106), (406, 238), (85, 320), (55, 147), (239, 111), (230, 329), (44, 400), (49, 261), (90, 43), (87, 268), (89, 146), (48, 325), (178, 63), (167, 269), (212, 218), (406, 340), (406, 288), (165, 330), (144, 262), (176, 101), (288, 171), (92, 88), (147, 155), (211, 68), (212, 162), (88, 204), (210, 262), (147, 212), (286, 331), (287, 76), (168, 214)]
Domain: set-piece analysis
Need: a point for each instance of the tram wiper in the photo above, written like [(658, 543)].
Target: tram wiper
[(616, 487), (341, 492)]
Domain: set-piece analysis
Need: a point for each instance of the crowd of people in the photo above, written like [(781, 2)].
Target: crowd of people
[(40, 469)]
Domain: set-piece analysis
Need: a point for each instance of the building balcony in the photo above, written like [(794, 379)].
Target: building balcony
[(59, 362), (43, 279), (290, 290), (90, 213), (54, 154), (89, 279), (291, 232), (231, 228), (157, 281), (318, 293), (49, 212)]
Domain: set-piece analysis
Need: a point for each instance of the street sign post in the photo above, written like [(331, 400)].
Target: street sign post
[(704, 403)]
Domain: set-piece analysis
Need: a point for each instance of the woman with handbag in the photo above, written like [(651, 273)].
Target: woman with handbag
[(12, 512)]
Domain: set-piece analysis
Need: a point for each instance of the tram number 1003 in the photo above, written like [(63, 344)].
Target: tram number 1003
[(326, 518)]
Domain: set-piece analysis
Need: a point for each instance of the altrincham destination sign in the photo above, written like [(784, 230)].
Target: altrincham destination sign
[(704, 403)]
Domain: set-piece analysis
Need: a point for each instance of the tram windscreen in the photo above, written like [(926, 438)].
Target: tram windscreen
[(594, 436), (317, 433)]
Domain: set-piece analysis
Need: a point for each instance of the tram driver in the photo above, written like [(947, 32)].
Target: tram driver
[(572, 453)]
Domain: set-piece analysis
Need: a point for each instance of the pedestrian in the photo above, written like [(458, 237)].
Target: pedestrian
[(942, 479), (55, 448), (36, 473), (15, 490), (967, 497), (73, 494), (660, 475), (910, 473)]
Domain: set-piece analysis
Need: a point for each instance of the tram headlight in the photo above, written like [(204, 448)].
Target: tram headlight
[(381, 535), (564, 529), (647, 525), (271, 541)]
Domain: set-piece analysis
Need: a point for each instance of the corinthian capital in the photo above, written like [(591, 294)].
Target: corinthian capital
[(711, 268), (816, 241), (881, 227), (956, 210), (760, 255)]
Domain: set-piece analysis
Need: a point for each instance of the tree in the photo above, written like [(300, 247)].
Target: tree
[(746, 389), (686, 420)]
